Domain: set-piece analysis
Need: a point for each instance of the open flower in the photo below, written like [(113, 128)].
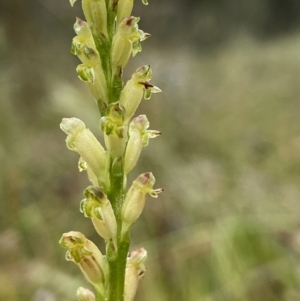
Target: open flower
[(138, 138), (87, 256), (81, 140), (124, 42), (135, 270), (97, 207), (134, 90), (135, 199)]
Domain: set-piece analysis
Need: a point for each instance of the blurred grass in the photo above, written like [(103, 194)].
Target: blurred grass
[(227, 226)]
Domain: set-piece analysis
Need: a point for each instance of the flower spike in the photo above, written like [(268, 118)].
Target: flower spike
[(104, 42)]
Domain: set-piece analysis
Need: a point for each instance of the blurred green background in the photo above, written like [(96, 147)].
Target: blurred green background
[(227, 227)]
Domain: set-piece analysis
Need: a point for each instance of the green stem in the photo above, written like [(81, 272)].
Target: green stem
[(117, 269), (123, 253), (103, 46), (117, 258)]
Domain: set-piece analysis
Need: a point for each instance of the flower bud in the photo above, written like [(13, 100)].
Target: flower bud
[(138, 137), (133, 91), (135, 270), (87, 55), (81, 140), (84, 37), (97, 207), (84, 294), (127, 34), (124, 9), (96, 15), (87, 256), (135, 199), (91, 70)]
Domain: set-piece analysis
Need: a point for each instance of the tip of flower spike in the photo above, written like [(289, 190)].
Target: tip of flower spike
[(145, 2)]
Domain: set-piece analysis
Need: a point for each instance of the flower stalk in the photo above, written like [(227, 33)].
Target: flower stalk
[(104, 44)]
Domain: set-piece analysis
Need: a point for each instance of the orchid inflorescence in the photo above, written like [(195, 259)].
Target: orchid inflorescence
[(104, 44)]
